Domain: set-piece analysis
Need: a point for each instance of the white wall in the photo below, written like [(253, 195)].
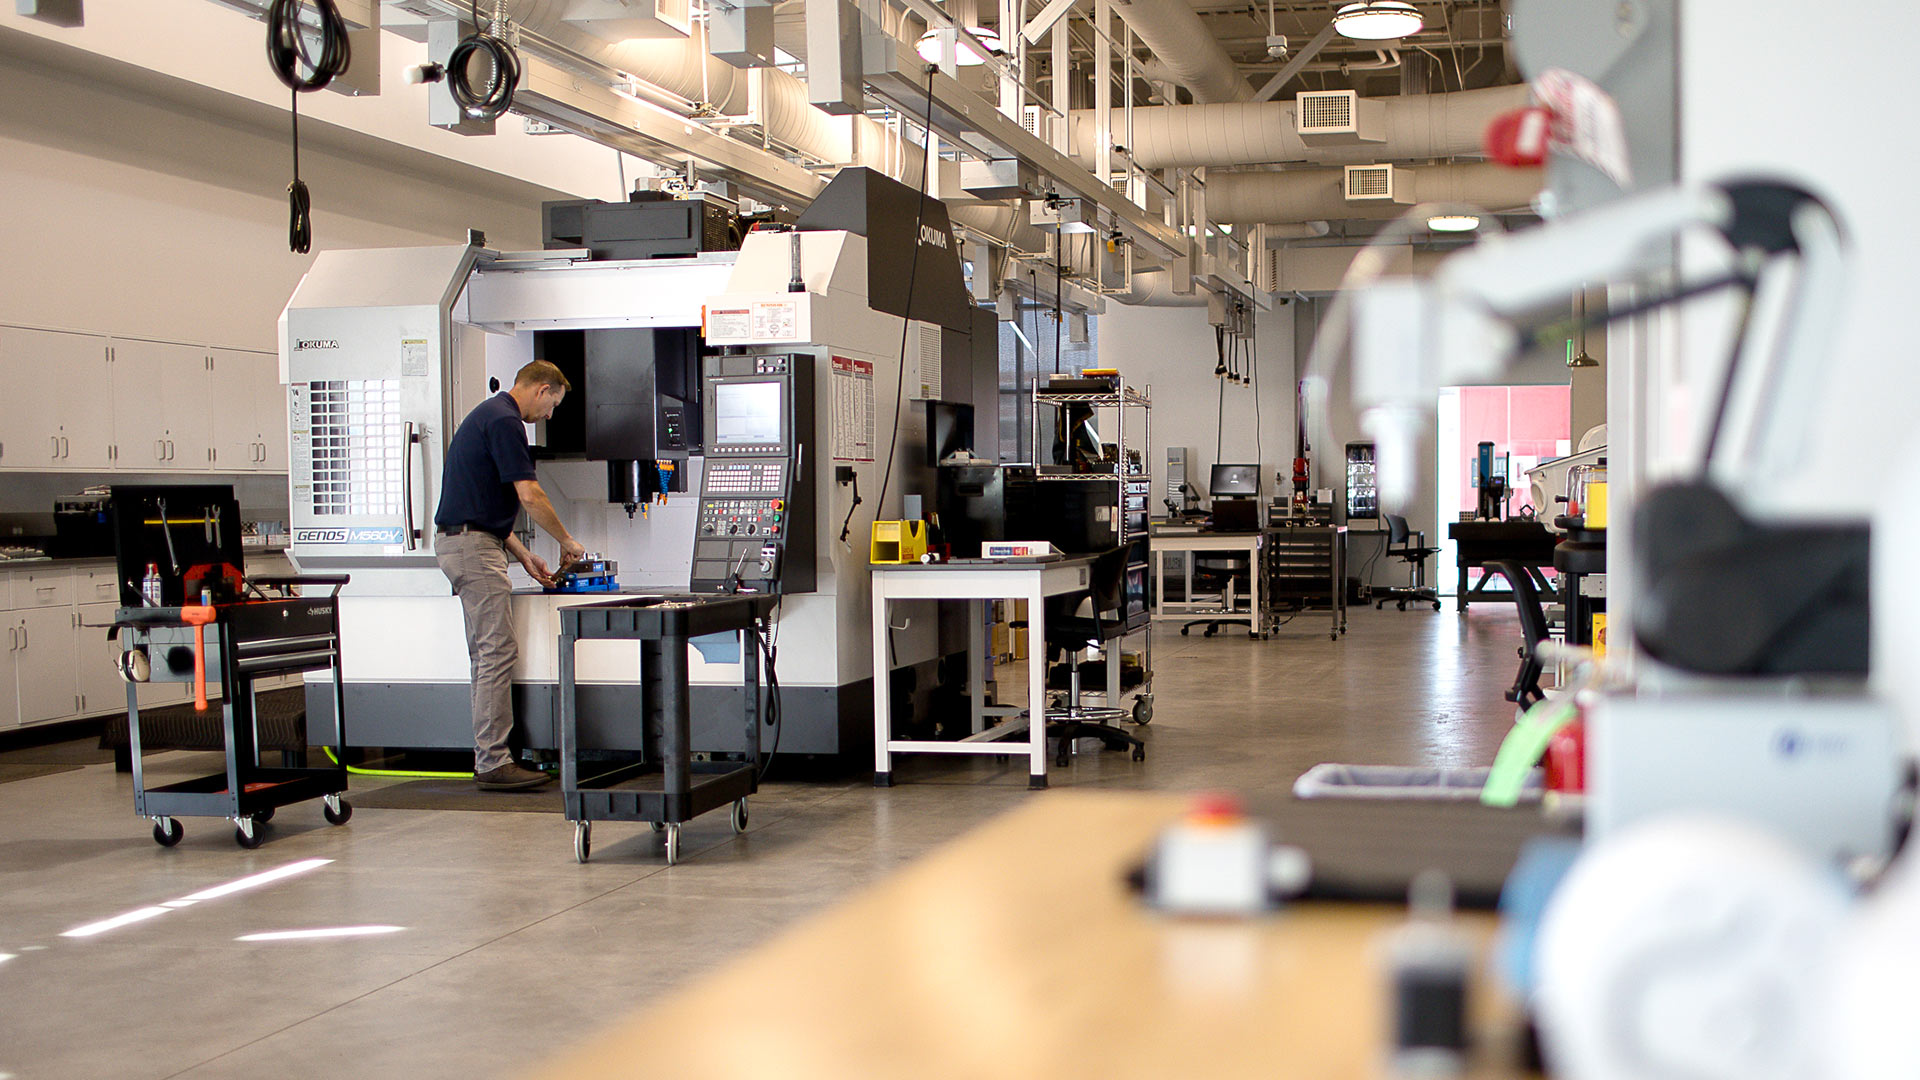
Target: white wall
[(140, 205), (1171, 352)]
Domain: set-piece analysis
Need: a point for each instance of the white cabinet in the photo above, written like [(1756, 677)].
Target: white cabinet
[(250, 411), (163, 406), (103, 404), (9, 679), (64, 422), (45, 664), (97, 660)]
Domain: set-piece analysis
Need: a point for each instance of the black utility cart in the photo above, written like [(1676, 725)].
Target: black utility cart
[(200, 620), (665, 787)]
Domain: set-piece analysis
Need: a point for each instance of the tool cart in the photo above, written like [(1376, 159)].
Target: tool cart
[(188, 615), (660, 783)]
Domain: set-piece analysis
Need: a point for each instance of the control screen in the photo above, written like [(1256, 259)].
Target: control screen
[(746, 413)]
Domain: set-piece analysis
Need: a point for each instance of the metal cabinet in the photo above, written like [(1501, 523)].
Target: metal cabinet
[(68, 425)]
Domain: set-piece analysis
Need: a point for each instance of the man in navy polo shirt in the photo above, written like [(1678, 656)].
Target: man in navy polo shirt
[(487, 480)]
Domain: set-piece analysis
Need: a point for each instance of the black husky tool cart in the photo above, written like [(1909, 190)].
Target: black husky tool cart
[(188, 614)]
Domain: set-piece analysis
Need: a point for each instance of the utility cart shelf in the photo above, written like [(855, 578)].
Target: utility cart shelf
[(666, 787)]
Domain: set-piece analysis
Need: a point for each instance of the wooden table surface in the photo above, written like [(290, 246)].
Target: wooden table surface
[(1017, 951)]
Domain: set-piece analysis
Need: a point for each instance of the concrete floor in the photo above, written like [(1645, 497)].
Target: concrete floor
[(510, 950)]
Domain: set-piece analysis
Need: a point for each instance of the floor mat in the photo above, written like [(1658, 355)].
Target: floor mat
[(11, 772), (85, 751), (437, 794)]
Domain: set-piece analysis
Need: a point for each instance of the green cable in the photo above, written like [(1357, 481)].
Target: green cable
[(1523, 747), (411, 775)]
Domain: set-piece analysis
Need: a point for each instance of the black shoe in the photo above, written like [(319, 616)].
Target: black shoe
[(510, 777)]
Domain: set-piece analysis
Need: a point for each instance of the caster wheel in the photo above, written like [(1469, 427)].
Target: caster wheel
[(673, 843), (1334, 636), (1402, 605), (336, 810), (657, 826), (740, 815), (167, 832), (264, 816), (1183, 631), (247, 834), (1209, 633), (1142, 712), (582, 840), (1139, 753), (1436, 605)]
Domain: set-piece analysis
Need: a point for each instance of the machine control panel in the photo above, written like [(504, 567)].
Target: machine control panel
[(755, 530)]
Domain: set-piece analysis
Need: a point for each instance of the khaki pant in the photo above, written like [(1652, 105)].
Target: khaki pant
[(476, 563)]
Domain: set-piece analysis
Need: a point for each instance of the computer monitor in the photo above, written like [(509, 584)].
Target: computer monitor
[(1234, 482), (747, 413)]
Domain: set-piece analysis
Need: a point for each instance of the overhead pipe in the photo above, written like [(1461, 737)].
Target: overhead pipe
[(1258, 133), (1193, 56), (1294, 195)]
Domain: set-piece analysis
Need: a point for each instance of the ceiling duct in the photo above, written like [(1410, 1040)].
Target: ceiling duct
[(1264, 198), (1193, 57), (1259, 133)]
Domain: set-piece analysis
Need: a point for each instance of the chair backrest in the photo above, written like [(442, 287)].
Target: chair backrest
[(1397, 531), (1107, 587)]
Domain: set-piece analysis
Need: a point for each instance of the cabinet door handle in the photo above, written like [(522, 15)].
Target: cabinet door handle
[(66, 447), (159, 449), (54, 440), (13, 639), (24, 640)]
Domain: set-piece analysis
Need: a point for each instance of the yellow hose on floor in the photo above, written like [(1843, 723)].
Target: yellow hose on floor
[(358, 770)]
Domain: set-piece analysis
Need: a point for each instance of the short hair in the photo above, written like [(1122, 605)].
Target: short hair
[(542, 373)]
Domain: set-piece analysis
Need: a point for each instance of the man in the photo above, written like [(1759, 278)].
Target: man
[(488, 478)]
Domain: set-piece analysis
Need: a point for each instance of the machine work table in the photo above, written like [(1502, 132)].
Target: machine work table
[(1070, 976), (976, 583)]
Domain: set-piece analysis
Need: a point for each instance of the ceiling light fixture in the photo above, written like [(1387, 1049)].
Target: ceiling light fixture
[(963, 54), (1378, 20), (1453, 223)]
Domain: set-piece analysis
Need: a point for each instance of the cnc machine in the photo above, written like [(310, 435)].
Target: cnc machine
[(799, 339)]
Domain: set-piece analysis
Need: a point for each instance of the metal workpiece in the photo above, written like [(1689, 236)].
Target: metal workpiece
[(662, 784)]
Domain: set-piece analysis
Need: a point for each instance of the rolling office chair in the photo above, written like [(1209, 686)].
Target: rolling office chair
[(1070, 633), (1526, 691), (1412, 548)]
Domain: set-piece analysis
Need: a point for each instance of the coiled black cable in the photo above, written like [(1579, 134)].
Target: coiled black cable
[(302, 70), (496, 97)]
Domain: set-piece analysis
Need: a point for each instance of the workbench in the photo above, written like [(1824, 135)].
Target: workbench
[(1477, 543), (1018, 951), (1195, 541), (977, 581)]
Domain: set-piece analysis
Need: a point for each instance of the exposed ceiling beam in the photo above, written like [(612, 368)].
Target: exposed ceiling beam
[(1296, 64)]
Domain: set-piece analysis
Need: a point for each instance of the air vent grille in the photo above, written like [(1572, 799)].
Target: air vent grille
[(1369, 182), (1329, 111)]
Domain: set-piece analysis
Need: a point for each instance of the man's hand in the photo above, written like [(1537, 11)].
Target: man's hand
[(571, 551), (537, 569)]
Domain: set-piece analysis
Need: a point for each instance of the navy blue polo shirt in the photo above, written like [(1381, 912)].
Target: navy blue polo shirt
[(488, 453)]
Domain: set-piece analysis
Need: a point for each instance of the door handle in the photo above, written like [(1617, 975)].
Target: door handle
[(54, 441), (406, 483), (66, 447), (159, 449), (24, 640)]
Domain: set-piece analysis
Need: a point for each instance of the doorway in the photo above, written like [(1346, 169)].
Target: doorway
[(1525, 424)]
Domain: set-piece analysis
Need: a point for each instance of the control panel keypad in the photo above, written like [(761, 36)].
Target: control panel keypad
[(746, 478)]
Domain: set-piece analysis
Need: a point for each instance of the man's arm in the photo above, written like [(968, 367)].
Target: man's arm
[(534, 499), (536, 566)]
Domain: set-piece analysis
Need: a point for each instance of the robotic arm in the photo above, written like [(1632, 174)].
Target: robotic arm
[(1471, 319)]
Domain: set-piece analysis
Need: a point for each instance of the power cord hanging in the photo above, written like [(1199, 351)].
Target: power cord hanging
[(906, 322), (492, 100), (304, 71)]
